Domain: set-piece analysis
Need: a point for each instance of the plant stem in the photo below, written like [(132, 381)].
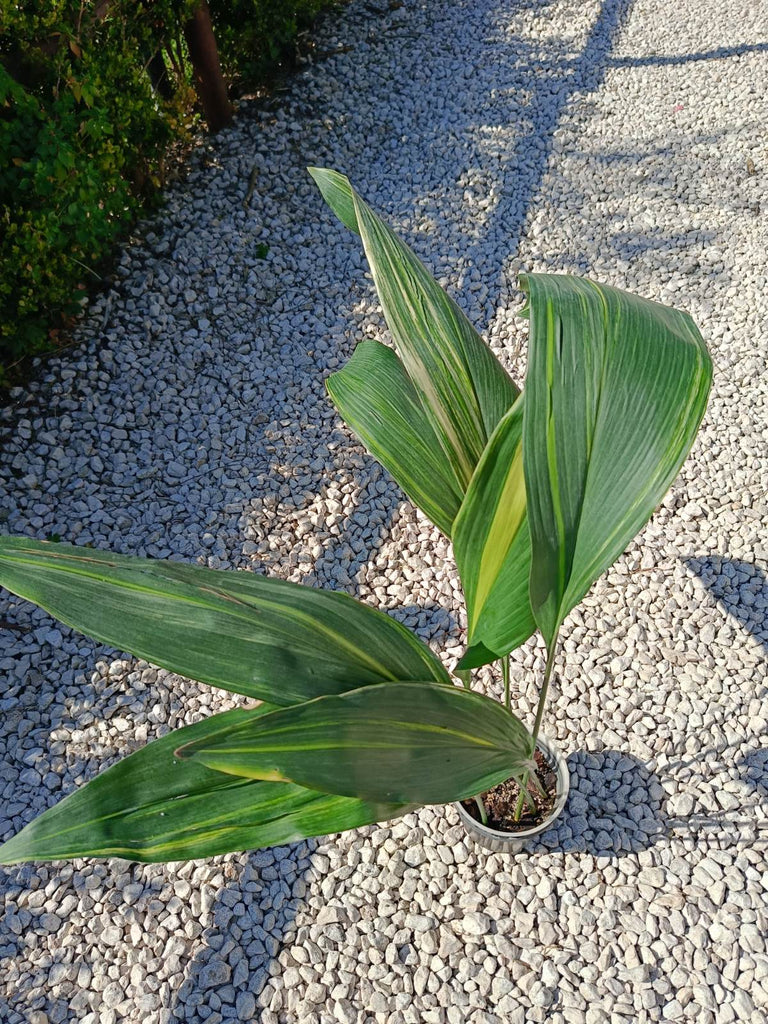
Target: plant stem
[(524, 798), (481, 808), (465, 675), (505, 677), (544, 687), (84, 266), (524, 795)]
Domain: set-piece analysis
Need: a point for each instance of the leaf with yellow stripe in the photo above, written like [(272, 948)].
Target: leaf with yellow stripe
[(262, 637), (409, 742), (463, 388), (152, 807), (376, 398), (492, 546), (615, 391)]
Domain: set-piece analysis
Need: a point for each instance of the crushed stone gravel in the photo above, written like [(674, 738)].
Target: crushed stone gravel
[(624, 140)]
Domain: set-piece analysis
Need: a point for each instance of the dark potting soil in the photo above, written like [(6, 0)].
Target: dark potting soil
[(500, 802)]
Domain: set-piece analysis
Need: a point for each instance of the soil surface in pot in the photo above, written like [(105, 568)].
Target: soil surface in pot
[(500, 802)]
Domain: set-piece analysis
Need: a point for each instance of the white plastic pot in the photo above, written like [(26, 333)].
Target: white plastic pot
[(512, 842)]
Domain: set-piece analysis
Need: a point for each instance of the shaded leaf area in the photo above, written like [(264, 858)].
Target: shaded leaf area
[(152, 807), (376, 398), (262, 637), (414, 742)]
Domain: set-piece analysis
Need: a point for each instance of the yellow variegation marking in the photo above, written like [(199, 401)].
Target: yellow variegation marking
[(510, 512)]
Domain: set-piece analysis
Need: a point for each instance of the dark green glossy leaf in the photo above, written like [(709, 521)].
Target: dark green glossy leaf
[(475, 656), (152, 807), (262, 637), (375, 397), (394, 742)]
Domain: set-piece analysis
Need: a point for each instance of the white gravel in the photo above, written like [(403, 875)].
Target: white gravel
[(623, 140)]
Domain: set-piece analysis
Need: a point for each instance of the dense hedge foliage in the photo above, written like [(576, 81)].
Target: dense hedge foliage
[(84, 133), (254, 35)]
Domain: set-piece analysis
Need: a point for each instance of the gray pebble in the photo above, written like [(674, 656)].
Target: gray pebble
[(189, 419)]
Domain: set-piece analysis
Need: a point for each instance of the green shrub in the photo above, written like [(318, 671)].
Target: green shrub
[(84, 137), (254, 36)]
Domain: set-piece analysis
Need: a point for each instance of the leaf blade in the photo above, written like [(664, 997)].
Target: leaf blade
[(151, 807), (336, 191), (463, 387), (261, 637), (491, 542), (404, 742), (376, 398), (615, 392)]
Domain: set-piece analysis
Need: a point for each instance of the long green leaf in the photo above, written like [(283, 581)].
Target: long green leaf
[(375, 397), (464, 389), (262, 637), (492, 546), (394, 742), (615, 391), (152, 807)]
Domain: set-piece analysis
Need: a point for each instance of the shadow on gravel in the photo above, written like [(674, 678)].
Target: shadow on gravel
[(741, 588), (83, 708), (657, 60), (629, 245), (755, 768), (614, 808), (252, 919), (250, 902), (551, 79), (618, 806), (348, 553)]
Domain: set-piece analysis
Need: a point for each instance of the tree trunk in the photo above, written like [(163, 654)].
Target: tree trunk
[(209, 81)]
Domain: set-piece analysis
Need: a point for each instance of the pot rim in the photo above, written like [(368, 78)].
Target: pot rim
[(547, 748)]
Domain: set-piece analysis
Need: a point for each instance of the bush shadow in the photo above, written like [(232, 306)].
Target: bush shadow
[(740, 588), (251, 919), (618, 806)]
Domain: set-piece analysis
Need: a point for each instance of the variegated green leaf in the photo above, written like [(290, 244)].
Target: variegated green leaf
[(463, 388), (153, 807), (375, 397), (615, 391), (492, 546), (393, 742), (262, 637)]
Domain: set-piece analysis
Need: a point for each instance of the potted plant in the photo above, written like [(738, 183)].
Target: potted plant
[(540, 492), (360, 722)]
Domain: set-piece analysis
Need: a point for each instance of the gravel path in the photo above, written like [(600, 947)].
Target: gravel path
[(626, 140)]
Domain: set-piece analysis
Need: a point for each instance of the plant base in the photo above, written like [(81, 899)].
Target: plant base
[(497, 840)]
